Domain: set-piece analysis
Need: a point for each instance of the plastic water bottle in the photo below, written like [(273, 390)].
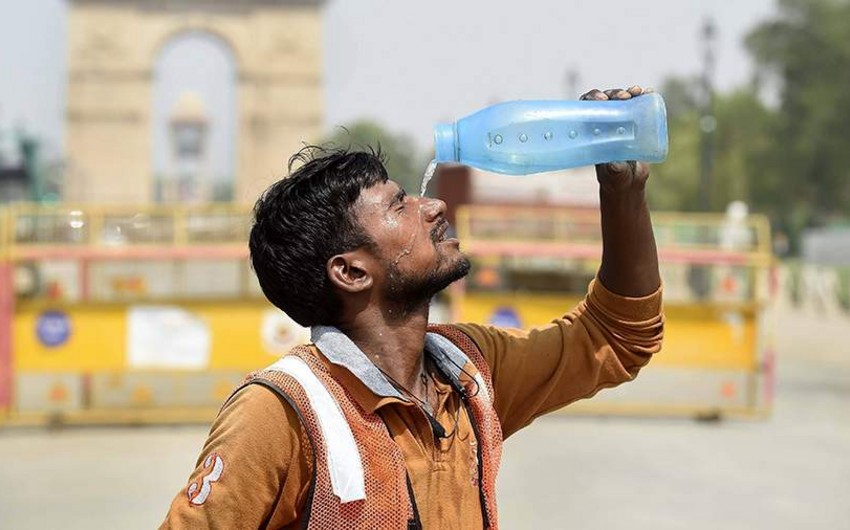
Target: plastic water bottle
[(523, 137)]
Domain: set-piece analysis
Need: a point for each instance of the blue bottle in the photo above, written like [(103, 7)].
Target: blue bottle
[(523, 137)]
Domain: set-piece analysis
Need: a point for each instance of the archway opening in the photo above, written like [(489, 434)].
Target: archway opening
[(194, 117)]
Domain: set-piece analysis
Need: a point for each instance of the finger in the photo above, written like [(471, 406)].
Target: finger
[(641, 171), (594, 95), (613, 92), (632, 167), (617, 168), (636, 90)]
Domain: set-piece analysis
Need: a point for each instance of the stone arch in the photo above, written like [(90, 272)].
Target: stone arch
[(181, 28), (211, 82), (113, 46)]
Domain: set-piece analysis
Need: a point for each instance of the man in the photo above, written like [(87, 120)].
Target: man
[(383, 421)]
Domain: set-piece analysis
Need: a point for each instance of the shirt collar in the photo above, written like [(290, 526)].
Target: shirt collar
[(341, 352)]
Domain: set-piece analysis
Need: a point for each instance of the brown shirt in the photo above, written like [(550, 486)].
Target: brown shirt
[(265, 473)]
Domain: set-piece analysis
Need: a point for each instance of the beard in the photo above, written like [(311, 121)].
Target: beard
[(411, 291)]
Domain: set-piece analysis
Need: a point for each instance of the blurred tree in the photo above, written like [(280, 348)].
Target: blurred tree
[(402, 162), (680, 96), (807, 50), (675, 182), (742, 145)]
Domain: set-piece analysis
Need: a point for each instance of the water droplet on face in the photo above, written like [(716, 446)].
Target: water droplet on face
[(597, 132), (523, 137), (621, 130), (497, 139), (573, 134), (548, 135)]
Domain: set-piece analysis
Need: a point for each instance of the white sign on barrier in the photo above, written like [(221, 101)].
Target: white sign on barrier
[(166, 337)]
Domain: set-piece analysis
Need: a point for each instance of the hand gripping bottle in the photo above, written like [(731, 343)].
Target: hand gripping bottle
[(523, 137)]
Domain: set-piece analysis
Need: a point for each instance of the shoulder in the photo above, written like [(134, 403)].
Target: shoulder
[(256, 411), (256, 398), (263, 428), (488, 339)]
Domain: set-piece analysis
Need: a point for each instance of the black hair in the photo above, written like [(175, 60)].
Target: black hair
[(303, 220)]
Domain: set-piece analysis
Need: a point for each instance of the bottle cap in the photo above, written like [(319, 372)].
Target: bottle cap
[(445, 143)]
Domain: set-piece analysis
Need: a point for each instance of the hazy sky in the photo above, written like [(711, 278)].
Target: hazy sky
[(412, 64)]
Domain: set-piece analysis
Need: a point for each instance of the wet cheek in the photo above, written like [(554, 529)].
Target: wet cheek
[(391, 223), (403, 226), (407, 235)]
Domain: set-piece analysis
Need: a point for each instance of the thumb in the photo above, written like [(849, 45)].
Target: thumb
[(617, 168)]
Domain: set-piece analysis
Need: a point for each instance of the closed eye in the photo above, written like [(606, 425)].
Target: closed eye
[(397, 201)]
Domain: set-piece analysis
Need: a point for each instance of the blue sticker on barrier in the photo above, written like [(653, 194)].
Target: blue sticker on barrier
[(53, 328), (505, 317)]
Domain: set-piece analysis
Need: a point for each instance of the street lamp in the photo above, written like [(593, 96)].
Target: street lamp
[(707, 122)]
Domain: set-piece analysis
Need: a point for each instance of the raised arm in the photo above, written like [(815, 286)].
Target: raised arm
[(611, 335), (629, 256)]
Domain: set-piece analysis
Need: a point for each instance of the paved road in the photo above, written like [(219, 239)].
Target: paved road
[(790, 472)]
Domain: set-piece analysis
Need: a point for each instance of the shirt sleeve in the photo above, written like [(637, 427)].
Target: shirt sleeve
[(252, 472), (603, 342)]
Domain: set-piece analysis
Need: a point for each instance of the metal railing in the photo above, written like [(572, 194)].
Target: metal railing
[(681, 237), (111, 253), (110, 226)]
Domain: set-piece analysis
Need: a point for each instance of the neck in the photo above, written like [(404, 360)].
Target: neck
[(395, 343)]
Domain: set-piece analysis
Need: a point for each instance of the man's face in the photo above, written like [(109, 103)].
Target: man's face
[(411, 240)]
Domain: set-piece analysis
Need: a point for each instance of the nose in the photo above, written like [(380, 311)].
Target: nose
[(432, 209)]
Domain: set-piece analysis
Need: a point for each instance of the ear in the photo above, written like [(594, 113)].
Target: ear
[(350, 271)]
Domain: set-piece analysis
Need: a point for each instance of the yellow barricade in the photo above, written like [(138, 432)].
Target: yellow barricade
[(129, 314), (152, 314), (531, 265)]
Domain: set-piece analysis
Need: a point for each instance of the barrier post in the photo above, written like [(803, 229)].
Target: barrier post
[(7, 301)]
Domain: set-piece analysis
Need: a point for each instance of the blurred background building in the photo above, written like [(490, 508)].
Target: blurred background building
[(115, 50)]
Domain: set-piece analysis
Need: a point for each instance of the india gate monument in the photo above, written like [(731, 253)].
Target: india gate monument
[(113, 48)]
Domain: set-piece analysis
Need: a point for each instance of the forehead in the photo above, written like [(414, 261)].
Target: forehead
[(378, 197)]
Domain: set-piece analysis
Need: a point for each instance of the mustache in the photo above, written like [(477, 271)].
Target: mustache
[(438, 228)]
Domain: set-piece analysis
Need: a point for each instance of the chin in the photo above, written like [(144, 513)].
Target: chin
[(458, 269), (465, 265), (412, 290)]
